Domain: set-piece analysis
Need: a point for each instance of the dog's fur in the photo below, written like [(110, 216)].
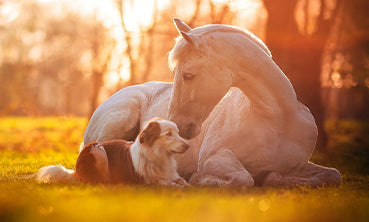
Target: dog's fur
[(147, 160)]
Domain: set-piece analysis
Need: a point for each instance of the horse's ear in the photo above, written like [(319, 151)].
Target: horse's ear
[(187, 37), (181, 26)]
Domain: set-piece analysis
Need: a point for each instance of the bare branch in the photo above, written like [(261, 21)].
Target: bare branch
[(195, 14), (306, 17), (324, 25), (150, 47), (127, 37)]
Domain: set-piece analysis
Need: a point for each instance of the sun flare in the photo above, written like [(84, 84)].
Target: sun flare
[(140, 13)]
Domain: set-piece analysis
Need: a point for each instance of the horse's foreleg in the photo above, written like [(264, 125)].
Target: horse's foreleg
[(222, 169), (309, 175)]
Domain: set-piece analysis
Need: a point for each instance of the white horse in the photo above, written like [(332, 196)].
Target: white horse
[(255, 131), (123, 115)]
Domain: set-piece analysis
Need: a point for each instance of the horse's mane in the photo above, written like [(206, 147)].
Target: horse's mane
[(182, 47), (207, 29)]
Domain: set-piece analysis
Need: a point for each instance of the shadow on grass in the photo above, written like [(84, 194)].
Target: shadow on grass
[(348, 147)]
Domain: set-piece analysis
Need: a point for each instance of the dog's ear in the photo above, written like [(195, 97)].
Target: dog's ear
[(150, 134)]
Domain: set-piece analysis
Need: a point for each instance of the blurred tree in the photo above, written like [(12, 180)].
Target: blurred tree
[(298, 46), (220, 12), (128, 41), (347, 68), (16, 93), (149, 41), (102, 47), (60, 65), (48, 54), (142, 52)]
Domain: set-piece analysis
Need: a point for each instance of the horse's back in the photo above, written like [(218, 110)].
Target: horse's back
[(122, 115)]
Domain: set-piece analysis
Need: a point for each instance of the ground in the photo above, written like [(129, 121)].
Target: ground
[(26, 144)]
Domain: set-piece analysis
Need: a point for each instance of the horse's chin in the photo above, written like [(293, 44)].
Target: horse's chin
[(188, 127)]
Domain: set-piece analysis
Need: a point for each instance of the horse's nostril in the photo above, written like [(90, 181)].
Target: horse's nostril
[(191, 128), (186, 146), (188, 130)]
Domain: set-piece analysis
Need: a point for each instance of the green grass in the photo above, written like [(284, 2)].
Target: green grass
[(26, 144)]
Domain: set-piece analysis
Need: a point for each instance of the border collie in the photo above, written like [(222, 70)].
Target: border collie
[(149, 159)]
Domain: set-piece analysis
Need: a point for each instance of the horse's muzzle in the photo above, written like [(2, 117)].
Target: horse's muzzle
[(189, 131)]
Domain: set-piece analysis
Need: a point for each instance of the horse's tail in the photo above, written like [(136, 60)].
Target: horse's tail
[(56, 174)]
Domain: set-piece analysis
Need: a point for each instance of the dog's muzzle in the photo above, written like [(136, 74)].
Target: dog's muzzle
[(182, 148)]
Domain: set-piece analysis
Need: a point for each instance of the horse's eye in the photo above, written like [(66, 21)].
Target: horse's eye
[(169, 133), (188, 76)]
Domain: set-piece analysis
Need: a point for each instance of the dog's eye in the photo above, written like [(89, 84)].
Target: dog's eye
[(169, 133), (188, 76)]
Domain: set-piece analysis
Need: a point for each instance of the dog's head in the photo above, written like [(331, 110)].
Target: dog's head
[(162, 135)]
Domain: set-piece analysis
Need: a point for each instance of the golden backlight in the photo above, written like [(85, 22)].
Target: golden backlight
[(138, 15)]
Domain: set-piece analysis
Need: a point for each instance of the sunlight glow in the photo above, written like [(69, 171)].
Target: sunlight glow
[(264, 204), (8, 12), (111, 79), (139, 13), (337, 80), (367, 82), (124, 75)]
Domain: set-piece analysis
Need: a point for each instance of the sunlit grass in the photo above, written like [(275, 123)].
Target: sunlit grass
[(26, 144), (39, 134)]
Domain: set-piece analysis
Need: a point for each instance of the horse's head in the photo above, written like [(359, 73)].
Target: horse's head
[(201, 78)]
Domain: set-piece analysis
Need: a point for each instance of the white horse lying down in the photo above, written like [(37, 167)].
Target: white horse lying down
[(256, 133)]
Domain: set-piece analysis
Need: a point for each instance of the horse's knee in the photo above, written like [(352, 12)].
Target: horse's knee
[(327, 176), (272, 179), (241, 179), (236, 179), (205, 180), (222, 168)]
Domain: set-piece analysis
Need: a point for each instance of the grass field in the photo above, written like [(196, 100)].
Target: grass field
[(27, 144)]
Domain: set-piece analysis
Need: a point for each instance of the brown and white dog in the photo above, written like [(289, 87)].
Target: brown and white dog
[(147, 160)]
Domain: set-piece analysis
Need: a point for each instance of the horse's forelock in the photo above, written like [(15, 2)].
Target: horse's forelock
[(178, 51), (184, 49), (181, 51)]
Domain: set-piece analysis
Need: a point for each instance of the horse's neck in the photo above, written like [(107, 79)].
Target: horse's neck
[(268, 89)]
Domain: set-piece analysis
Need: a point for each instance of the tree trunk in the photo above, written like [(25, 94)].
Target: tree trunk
[(298, 55), (97, 83)]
